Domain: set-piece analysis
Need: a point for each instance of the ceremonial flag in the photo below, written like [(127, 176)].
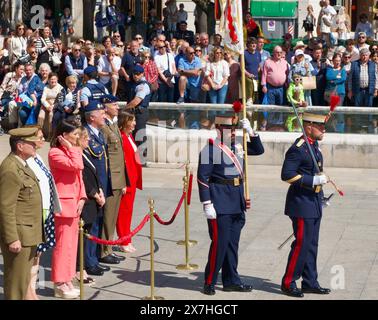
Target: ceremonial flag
[(231, 25)]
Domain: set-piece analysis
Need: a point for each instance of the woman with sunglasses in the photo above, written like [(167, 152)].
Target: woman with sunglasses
[(18, 44), (217, 74)]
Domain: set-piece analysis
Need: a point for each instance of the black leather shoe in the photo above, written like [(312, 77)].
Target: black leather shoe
[(119, 257), (109, 260), (103, 268), (292, 292), (95, 271), (208, 289), (318, 290), (238, 287)]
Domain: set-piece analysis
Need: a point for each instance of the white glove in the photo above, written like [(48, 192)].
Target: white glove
[(247, 126), (209, 211), (320, 180)]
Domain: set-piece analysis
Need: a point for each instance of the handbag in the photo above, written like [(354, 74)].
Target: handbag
[(71, 30), (55, 59), (309, 83)]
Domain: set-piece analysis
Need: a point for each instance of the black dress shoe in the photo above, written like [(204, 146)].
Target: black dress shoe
[(94, 271), (208, 289), (317, 290), (119, 257), (103, 268), (238, 287), (109, 260), (292, 292)]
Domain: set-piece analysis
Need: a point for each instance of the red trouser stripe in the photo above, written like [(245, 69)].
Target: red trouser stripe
[(213, 251), (294, 258)]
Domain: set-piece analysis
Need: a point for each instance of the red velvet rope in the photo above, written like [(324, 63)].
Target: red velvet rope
[(167, 223), (190, 188), (122, 240)]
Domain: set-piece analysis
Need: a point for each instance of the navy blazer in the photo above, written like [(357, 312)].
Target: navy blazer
[(302, 200), (218, 161), (98, 151), (355, 72)]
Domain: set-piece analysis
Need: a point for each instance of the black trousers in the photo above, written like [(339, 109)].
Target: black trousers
[(303, 254), (223, 254)]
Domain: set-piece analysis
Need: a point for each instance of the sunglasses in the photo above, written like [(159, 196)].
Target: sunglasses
[(161, 47), (138, 38), (198, 50), (116, 36), (76, 50), (361, 37), (191, 52)]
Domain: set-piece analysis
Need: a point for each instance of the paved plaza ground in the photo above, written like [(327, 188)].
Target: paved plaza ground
[(347, 259)]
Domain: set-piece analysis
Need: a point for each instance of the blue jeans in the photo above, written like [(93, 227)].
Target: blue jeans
[(275, 96), (218, 96), (363, 99)]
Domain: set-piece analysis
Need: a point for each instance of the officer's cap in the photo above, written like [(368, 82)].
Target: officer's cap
[(314, 118), (109, 98), (25, 134), (226, 121), (93, 106), (89, 70), (138, 69)]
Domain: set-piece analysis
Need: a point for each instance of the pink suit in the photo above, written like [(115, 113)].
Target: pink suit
[(66, 166)]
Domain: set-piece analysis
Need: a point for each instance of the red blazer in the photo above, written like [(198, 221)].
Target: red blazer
[(66, 166), (133, 165)]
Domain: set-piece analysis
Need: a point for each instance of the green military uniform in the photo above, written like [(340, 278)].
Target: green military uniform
[(119, 179), (20, 218)]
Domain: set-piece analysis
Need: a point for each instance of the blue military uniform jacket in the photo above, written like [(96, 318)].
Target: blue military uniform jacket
[(98, 151), (218, 161), (303, 200)]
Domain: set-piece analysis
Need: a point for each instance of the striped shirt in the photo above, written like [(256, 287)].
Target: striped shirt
[(41, 45), (364, 76)]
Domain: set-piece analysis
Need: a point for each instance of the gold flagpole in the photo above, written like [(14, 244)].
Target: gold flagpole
[(242, 66), (245, 134), (244, 100)]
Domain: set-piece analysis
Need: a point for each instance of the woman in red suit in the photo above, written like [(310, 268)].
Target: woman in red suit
[(66, 164), (126, 123)]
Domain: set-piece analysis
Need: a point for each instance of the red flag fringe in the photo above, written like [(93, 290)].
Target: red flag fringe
[(233, 35)]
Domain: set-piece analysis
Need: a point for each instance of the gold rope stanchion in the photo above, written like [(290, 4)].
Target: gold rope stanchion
[(152, 247), (81, 239), (185, 242), (186, 266)]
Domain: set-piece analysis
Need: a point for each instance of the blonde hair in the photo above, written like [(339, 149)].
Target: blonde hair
[(212, 54), (100, 48), (70, 79)]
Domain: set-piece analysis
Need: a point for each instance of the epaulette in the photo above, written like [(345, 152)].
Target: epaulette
[(300, 143)]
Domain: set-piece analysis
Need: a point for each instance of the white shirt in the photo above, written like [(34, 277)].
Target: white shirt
[(104, 66), (182, 16), (43, 181), (133, 144), (218, 71), (95, 130), (161, 61)]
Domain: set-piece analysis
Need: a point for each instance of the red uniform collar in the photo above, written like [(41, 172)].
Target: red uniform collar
[(311, 141)]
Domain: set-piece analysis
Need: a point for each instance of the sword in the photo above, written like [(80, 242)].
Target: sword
[(341, 193), (325, 203)]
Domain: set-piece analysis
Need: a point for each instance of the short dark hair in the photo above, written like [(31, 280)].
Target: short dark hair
[(92, 75), (13, 142), (63, 127)]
